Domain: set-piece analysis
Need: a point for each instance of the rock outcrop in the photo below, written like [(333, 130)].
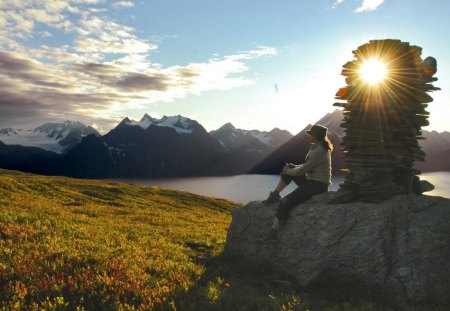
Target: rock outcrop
[(397, 251)]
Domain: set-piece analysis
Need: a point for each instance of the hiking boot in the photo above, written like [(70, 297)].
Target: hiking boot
[(274, 197), (270, 236)]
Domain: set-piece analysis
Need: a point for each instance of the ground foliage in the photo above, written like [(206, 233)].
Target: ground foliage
[(70, 244)]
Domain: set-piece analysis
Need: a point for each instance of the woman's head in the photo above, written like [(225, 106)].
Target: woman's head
[(318, 134)]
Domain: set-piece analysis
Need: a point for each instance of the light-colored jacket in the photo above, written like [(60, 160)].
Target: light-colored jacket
[(316, 167)]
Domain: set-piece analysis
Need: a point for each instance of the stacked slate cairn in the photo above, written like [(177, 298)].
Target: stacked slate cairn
[(382, 122)]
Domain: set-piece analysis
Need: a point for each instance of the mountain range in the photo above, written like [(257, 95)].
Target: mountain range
[(168, 147), (55, 137), (175, 146), (436, 146), (232, 138)]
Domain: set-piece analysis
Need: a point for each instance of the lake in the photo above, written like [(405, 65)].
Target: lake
[(245, 188)]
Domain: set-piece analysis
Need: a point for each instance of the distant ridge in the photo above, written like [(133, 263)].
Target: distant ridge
[(175, 146), (436, 146), (54, 137), (168, 147), (232, 138), (295, 150), (180, 124)]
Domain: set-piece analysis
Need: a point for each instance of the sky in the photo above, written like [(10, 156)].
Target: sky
[(258, 64)]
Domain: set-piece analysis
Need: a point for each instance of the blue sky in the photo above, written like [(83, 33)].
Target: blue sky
[(256, 63)]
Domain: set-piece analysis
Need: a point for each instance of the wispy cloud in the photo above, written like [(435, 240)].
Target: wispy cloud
[(126, 4), (336, 3), (369, 5), (102, 69), (366, 5)]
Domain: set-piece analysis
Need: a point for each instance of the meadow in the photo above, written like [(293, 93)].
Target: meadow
[(69, 244), (94, 245)]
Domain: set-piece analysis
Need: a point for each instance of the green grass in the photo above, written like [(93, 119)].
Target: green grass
[(69, 244), (101, 245)]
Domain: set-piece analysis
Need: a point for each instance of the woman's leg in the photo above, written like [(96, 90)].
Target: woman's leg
[(281, 185), (306, 190), (284, 181), (274, 196), (276, 224)]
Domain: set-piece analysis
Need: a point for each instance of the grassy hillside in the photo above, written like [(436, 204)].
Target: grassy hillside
[(68, 244)]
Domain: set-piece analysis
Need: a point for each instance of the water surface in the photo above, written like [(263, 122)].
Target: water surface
[(245, 188)]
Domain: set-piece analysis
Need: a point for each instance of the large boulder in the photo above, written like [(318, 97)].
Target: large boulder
[(397, 251)]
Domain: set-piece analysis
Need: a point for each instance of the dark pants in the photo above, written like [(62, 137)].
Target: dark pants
[(305, 191)]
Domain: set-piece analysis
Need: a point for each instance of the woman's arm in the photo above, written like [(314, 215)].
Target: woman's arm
[(316, 156)]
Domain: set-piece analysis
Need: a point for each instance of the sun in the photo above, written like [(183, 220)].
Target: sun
[(373, 71)]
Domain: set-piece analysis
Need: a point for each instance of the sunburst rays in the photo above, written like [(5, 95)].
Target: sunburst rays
[(386, 96)]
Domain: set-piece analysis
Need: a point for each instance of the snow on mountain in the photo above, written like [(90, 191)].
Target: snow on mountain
[(55, 137), (227, 135), (230, 137), (145, 122), (31, 138), (263, 137), (179, 123)]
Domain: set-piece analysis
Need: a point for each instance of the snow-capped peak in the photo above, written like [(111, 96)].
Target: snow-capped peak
[(179, 123), (229, 136), (148, 117), (144, 123), (56, 137), (59, 130)]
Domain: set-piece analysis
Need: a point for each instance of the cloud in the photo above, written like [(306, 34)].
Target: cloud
[(102, 68), (45, 34), (42, 16), (252, 54), (139, 81), (87, 1), (369, 5), (113, 46), (22, 17), (28, 71), (336, 3), (104, 36), (220, 74), (126, 4), (87, 91)]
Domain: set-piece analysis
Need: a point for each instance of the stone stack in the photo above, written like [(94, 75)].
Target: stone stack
[(382, 122)]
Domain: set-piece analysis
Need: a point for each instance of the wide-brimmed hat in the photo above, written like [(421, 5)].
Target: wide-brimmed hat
[(318, 131)]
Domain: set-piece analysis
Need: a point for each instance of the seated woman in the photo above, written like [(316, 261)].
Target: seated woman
[(312, 177)]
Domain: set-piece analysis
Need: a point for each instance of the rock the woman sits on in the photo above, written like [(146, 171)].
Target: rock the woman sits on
[(312, 177)]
